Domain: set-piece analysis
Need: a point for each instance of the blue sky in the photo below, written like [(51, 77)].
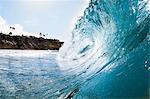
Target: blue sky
[(53, 17)]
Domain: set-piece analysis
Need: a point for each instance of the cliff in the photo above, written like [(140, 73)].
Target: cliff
[(31, 42)]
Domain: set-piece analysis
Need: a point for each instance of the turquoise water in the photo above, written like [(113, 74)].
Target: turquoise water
[(109, 52), (107, 57)]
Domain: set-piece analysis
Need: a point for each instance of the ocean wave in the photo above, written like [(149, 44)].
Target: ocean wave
[(109, 39)]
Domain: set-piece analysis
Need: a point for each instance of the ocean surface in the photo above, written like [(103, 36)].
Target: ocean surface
[(107, 57), (24, 72)]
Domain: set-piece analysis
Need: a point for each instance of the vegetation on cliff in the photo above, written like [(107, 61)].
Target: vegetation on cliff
[(25, 42)]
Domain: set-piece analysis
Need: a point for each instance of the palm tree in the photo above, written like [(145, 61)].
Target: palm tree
[(10, 33), (40, 34)]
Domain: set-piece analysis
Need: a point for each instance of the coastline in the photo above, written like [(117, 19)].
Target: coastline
[(28, 43)]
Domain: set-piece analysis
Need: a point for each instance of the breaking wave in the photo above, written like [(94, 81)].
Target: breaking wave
[(108, 54), (107, 57)]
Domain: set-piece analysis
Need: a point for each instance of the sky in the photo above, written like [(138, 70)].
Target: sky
[(53, 17)]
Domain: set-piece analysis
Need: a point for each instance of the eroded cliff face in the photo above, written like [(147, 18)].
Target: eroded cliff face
[(24, 42)]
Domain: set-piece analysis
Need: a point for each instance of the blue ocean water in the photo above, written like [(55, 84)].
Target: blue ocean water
[(108, 54), (107, 57), (24, 72)]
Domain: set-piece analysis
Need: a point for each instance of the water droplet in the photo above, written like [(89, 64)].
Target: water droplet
[(146, 62)]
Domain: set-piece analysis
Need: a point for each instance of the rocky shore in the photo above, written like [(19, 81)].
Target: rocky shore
[(31, 42)]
